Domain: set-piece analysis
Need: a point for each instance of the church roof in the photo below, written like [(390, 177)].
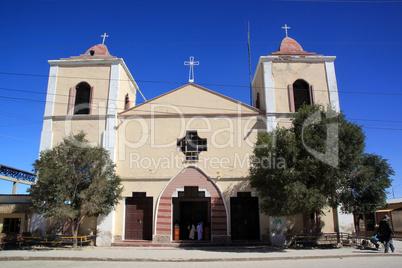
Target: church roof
[(290, 47), (99, 51)]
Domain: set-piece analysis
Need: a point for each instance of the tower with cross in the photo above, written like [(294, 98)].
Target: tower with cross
[(191, 63), (307, 78)]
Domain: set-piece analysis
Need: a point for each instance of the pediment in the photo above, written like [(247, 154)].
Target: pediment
[(191, 99)]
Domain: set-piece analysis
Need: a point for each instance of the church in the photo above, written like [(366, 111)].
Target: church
[(184, 156)]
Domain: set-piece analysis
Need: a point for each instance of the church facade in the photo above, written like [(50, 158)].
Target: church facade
[(184, 156)]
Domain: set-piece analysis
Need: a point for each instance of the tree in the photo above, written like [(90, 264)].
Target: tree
[(322, 155), (75, 180), (366, 184)]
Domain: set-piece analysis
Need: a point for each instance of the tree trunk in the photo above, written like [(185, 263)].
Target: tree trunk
[(74, 228)]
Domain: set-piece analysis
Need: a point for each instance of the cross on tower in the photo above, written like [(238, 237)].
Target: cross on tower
[(191, 63), (286, 29), (104, 37)]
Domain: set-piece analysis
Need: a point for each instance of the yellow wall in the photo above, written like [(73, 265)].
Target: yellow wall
[(294, 224), (148, 134), (327, 220), (152, 188), (23, 227), (88, 226), (259, 87), (126, 87), (92, 126), (96, 76), (148, 147), (287, 73)]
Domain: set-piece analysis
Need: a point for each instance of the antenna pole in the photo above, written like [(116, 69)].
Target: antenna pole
[(249, 60)]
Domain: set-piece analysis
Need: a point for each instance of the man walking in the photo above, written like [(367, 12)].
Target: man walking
[(386, 233)]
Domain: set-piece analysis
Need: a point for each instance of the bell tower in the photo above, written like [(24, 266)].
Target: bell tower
[(291, 77), (86, 93)]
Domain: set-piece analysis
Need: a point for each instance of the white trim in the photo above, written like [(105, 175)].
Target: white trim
[(176, 192), (269, 95), (332, 86), (109, 139), (271, 123), (287, 58), (79, 117), (269, 87), (123, 237), (46, 139), (51, 90), (207, 193)]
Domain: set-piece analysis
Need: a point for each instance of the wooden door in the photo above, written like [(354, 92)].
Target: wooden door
[(138, 223), (245, 220)]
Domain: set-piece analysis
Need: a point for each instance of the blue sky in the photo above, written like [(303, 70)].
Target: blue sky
[(155, 37)]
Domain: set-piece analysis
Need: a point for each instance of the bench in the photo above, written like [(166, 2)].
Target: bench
[(311, 240), (56, 240)]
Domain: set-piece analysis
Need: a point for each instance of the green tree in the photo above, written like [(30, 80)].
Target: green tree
[(365, 189), (320, 153), (75, 180)]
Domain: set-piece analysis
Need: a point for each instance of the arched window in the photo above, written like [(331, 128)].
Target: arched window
[(300, 92), (257, 101), (80, 100), (127, 102)]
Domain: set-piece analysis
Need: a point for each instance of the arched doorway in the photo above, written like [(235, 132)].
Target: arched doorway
[(190, 196), (191, 207)]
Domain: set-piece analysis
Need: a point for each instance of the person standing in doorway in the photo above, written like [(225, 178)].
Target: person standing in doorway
[(386, 233), (200, 229), (191, 227)]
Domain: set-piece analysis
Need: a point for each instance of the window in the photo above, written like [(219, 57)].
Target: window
[(370, 221), (11, 225), (80, 99), (300, 92), (127, 102), (257, 101), (191, 145)]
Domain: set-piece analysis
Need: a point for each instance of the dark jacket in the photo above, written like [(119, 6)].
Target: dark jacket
[(385, 228)]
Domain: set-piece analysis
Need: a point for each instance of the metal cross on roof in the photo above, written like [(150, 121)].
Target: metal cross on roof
[(191, 63), (286, 29), (104, 37)]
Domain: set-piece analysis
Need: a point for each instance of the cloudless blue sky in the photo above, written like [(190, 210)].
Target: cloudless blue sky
[(155, 37)]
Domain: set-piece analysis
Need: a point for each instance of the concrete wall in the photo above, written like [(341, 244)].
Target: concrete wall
[(70, 76), (287, 73)]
